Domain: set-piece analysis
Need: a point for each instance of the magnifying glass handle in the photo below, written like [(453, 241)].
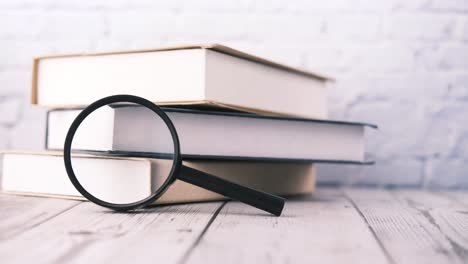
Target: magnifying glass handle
[(264, 201)]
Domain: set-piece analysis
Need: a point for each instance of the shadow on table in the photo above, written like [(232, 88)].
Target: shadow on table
[(246, 211), (171, 208)]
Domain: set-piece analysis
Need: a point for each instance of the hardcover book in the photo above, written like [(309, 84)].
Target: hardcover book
[(45, 175), (213, 135), (211, 75)]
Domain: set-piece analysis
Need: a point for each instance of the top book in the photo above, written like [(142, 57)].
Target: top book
[(212, 75)]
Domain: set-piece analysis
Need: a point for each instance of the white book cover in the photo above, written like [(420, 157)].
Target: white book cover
[(212, 75), (213, 134), (44, 174)]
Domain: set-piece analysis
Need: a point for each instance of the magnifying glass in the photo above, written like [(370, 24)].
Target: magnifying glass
[(134, 185)]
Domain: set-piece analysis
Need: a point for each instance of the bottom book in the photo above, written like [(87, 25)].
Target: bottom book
[(43, 174)]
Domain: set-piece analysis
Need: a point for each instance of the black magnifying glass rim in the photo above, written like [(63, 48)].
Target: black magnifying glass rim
[(122, 98)]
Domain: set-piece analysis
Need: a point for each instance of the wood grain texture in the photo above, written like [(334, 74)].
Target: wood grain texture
[(324, 228), (88, 233), (406, 233), (332, 226), (19, 214), (447, 214)]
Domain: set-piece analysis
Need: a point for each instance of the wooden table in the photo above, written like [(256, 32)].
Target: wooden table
[(331, 226)]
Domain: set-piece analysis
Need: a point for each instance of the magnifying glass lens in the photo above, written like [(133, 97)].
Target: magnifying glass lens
[(111, 163)]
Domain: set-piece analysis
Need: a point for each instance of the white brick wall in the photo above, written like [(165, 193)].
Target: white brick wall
[(402, 64)]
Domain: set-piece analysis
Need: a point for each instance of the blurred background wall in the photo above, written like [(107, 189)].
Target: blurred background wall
[(402, 64)]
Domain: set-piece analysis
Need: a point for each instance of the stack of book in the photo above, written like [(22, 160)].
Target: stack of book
[(238, 116)]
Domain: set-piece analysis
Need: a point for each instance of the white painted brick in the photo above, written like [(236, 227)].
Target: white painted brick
[(444, 57), (62, 5), (325, 57), (448, 173), (461, 147), (399, 63), (389, 58), (72, 25), (445, 124), (427, 56), (449, 5), (419, 26), (160, 6), (4, 139), (10, 109), (213, 26), (307, 7), (278, 30), (15, 82), (271, 6), (79, 5), (143, 43), (384, 173), (133, 24), (459, 28), (400, 126), (19, 54), (110, 44), (465, 30), (390, 5), (407, 87), (346, 90), (189, 28), (352, 27), (458, 87), (212, 7), (402, 171), (64, 46), (14, 4), (455, 56), (343, 6), (29, 132), (19, 24)]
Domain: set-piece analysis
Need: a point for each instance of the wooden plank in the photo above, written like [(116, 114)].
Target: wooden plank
[(324, 228), (88, 233), (20, 213), (447, 214), (405, 232)]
